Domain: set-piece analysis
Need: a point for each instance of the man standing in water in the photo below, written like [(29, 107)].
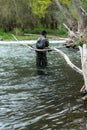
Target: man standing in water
[(41, 57)]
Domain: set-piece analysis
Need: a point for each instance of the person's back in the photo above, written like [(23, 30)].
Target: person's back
[(42, 43)]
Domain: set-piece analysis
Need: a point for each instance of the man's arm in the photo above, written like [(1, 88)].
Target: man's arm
[(46, 43)]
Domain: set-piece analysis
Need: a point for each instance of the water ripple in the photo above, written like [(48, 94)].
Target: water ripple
[(32, 101)]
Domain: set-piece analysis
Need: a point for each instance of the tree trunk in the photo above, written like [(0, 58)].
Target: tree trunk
[(65, 13), (83, 51), (82, 16)]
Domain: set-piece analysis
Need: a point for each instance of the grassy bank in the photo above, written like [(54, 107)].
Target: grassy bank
[(8, 36), (32, 34)]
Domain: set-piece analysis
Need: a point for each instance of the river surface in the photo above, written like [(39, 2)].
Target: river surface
[(48, 99)]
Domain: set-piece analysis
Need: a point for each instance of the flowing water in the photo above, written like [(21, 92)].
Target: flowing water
[(48, 99)]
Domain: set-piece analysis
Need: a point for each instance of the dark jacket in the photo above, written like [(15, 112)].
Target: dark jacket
[(41, 58)]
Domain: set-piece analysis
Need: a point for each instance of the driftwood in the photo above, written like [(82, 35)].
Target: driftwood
[(68, 61), (72, 36)]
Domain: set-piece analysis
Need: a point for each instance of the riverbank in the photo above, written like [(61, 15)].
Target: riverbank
[(27, 37), (33, 34)]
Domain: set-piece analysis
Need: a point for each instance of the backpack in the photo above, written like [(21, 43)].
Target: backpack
[(40, 44)]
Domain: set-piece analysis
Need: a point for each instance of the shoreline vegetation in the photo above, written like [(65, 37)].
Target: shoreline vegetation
[(33, 34)]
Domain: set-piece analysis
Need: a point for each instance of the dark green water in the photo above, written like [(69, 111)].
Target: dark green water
[(48, 100)]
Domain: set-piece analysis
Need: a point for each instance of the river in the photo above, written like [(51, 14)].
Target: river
[(48, 99)]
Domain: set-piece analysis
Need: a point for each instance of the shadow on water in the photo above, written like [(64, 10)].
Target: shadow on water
[(40, 99)]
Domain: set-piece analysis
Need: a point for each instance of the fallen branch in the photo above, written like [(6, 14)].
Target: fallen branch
[(68, 61), (83, 11), (71, 33), (66, 27)]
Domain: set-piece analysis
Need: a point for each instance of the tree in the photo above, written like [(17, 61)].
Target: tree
[(63, 8), (50, 13), (7, 15), (39, 7), (24, 16), (75, 14), (52, 17), (16, 14)]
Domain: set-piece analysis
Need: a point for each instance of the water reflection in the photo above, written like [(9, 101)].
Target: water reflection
[(44, 100)]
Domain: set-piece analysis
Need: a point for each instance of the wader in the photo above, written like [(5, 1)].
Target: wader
[(41, 57)]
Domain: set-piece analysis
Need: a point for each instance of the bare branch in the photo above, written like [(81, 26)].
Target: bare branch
[(84, 12), (68, 61)]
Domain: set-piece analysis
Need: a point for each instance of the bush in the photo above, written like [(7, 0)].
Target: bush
[(56, 32), (5, 35)]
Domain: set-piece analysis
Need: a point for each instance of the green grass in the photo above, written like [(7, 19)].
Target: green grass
[(56, 32), (33, 34), (8, 36), (5, 36)]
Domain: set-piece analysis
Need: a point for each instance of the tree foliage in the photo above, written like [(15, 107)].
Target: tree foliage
[(28, 14), (65, 2), (39, 7)]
